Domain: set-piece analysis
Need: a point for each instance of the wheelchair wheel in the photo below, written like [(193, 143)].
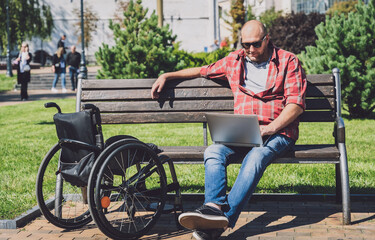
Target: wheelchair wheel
[(127, 190), (60, 202)]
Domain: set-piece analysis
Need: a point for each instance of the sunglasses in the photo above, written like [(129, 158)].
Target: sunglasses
[(254, 44)]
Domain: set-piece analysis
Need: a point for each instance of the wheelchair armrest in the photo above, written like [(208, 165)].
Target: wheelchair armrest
[(70, 143)]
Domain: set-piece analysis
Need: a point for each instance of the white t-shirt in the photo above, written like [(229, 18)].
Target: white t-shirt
[(256, 75)]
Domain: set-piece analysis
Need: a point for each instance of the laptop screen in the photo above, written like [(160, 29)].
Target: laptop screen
[(234, 130)]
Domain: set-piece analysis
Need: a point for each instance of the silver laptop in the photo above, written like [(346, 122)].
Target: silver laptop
[(234, 130)]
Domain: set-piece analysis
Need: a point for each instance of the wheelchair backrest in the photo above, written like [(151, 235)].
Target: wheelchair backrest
[(79, 126)]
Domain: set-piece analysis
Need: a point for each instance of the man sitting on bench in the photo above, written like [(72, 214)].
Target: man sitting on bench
[(266, 81)]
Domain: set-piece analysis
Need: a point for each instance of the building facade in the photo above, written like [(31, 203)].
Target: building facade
[(195, 22)]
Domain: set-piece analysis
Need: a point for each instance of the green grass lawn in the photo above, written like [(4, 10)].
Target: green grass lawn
[(28, 132), (7, 83)]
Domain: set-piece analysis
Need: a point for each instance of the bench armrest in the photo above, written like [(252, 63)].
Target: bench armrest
[(339, 130), (70, 143)]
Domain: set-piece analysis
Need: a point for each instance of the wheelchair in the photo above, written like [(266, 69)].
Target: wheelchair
[(121, 183)]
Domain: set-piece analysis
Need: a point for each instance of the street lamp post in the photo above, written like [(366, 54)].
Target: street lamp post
[(9, 63), (82, 70)]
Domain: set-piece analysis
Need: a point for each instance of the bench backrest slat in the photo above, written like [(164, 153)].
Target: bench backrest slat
[(144, 94), (184, 93), (128, 100), (167, 106), (190, 105), (190, 117), (147, 83)]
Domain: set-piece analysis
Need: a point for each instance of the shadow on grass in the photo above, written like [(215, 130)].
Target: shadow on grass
[(45, 123), (347, 116)]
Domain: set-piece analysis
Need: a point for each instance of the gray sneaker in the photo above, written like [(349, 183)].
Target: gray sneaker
[(205, 217), (208, 234)]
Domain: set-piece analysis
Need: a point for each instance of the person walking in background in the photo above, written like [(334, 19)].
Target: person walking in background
[(58, 67), (61, 43), (73, 59), (23, 69)]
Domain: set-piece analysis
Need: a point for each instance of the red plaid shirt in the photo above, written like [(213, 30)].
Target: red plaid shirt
[(286, 83)]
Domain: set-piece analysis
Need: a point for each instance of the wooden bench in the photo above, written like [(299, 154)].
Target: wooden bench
[(128, 101)]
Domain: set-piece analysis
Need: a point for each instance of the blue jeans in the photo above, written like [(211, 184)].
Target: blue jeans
[(56, 79), (73, 72), (255, 160)]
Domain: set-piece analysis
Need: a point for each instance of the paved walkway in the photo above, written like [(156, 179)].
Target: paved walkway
[(281, 220), (13, 97)]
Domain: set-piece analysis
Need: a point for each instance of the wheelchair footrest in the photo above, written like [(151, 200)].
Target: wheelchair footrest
[(168, 208)]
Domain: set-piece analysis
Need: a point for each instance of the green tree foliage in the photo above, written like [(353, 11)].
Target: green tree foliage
[(294, 32), (189, 60), (28, 18), (342, 7), (348, 43), (122, 6), (142, 49), (250, 15), (269, 16)]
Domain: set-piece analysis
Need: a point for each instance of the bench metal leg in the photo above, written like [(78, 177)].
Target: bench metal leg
[(344, 184), (178, 208), (338, 184), (174, 186)]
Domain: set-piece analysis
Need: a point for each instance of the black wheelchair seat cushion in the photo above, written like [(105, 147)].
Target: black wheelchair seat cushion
[(78, 173)]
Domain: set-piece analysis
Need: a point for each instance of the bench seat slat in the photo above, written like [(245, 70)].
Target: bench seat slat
[(301, 154)]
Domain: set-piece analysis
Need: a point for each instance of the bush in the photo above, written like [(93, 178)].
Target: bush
[(142, 49), (348, 43), (189, 60), (269, 17), (342, 7), (294, 32)]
